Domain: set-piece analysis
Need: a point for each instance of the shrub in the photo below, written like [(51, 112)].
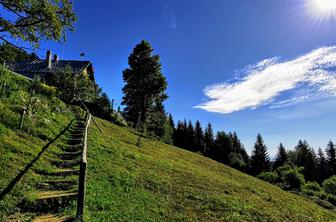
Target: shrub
[(313, 189), (331, 199), (329, 185), (271, 177), (291, 176)]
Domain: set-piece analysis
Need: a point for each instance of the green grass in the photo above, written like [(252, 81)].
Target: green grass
[(18, 149), (159, 182)]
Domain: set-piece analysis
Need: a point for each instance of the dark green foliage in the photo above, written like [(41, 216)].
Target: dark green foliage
[(179, 136), (259, 160), (237, 161), (199, 137), (331, 158), (322, 166), (72, 86), (156, 120), (145, 84), (281, 157), (270, 177), (222, 148), (329, 185), (239, 158), (209, 140), (9, 53), (104, 105), (313, 189), (290, 177), (306, 158), (34, 20), (190, 136)]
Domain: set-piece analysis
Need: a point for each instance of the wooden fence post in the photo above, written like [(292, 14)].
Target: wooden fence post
[(82, 172)]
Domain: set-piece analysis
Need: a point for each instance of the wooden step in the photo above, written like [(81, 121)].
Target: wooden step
[(58, 185), (64, 172), (53, 218), (65, 163), (56, 194)]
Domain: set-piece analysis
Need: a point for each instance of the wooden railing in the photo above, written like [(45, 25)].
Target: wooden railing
[(82, 173)]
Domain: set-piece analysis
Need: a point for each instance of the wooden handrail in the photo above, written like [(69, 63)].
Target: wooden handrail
[(82, 172)]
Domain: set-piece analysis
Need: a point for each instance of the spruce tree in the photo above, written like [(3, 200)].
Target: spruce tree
[(281, 157), (306, 158), (239, 149), (199, 137), (190, 137), (222, 148), (145, 85), (208, 139), (321, 166), (331, 158), (172, 126), (185, 134), (179, 136), (260, 160)]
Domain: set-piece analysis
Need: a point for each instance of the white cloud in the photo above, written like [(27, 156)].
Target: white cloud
[(264, 82)]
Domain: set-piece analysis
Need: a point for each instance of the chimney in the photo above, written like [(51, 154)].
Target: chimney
[(48, 58), (55, 58)]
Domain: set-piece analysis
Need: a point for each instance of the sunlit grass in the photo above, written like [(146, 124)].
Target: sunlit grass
[(162, 183)]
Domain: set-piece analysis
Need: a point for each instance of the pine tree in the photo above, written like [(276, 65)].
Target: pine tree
[(185, 134), (222, 148), (179, 134), (306, 158), (321, 166), (190, 137), (281, 157), (145, 84), (156, 120), (208, 139), (260, 160), (331, 158), (172, 126), (199, 137), (239, 149)]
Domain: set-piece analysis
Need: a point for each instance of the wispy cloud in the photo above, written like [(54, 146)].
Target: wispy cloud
[(267, 81), (169, 14)]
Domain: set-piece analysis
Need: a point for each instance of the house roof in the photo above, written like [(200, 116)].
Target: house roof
[(40, 67)]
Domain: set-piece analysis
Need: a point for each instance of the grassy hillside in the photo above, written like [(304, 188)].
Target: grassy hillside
[(163, 183), (18, 149)]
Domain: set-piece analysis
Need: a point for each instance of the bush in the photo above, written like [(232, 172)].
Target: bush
[(332, 199), (291, 176), (329, 185), (313, 189), (271, 177)]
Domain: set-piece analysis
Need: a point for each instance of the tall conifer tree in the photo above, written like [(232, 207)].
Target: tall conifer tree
[(321, 166), (199, 137), (281, 157), (260, 160), (145, 85), (306, 158), (190, 137), (208, 139), (331, 158)]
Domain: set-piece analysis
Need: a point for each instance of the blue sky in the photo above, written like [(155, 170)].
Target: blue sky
[(221, 59)]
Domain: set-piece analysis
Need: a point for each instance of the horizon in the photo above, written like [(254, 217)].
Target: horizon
[(280, 52)]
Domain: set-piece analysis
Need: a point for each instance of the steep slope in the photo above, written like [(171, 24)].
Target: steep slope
[(25, 155), (163, 183)]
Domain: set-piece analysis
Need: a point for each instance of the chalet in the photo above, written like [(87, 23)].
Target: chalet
[(49, 68)]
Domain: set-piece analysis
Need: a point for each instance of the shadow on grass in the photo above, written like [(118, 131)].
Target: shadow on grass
[(25, 170)]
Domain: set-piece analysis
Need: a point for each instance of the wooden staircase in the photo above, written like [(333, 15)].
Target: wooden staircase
[(60, 186)]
